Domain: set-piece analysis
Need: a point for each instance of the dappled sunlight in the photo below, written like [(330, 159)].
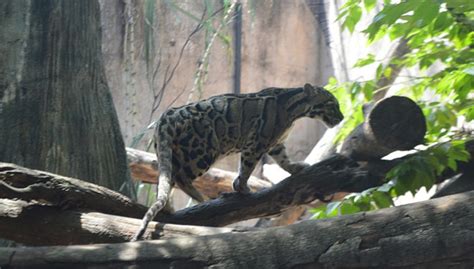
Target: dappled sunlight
[(237, 134), (421, 195)]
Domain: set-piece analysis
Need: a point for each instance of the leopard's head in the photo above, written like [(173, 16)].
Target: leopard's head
[(324, 106)]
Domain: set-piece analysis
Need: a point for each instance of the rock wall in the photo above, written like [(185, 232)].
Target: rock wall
[(282, 46)]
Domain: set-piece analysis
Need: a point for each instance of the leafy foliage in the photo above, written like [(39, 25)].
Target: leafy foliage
[(414, 172), (438, 34), (440, 37)]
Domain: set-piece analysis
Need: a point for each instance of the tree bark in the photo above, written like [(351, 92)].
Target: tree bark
[(463, 183), (437, 233), (17, 182), (37, 224), (57, 113)]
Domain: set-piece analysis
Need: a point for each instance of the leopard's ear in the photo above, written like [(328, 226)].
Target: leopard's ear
[(311, 90), (308, 88)]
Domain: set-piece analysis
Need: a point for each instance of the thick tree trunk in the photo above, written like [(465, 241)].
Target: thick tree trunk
[(433, 234), (56, 110)]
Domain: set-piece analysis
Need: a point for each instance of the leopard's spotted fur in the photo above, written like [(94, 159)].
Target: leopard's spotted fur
[(190, 138)]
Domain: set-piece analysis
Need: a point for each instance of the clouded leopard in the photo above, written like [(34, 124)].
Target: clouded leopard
[(190, 138)]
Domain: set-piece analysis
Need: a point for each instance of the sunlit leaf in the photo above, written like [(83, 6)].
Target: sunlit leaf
[(348, 208), (426, 12), (365, 61), (353, 18), (378, 72), (369, 4), (382, 199)]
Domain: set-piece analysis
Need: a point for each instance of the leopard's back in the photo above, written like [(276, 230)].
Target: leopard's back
[(200, 133)]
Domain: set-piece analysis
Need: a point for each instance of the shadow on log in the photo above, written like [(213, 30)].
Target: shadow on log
[(432, 234), (40, 224)]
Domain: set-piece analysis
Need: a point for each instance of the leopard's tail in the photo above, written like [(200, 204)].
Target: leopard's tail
[(164, 189)]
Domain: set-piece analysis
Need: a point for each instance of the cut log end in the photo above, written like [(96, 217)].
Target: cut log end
[(397, 122), (394, 123)]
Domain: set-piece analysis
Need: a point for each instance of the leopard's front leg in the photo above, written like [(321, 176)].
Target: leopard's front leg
[(248, 161)]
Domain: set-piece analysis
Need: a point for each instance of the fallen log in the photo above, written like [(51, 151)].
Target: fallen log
[(144, 167), (33, 223), (462, 183), (18, 182), (335, 174), (437, 233)]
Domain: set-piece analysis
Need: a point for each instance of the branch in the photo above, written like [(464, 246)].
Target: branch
[(333, 175), (436, 233)]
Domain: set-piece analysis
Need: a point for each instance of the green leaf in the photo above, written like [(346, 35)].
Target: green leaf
[(460, 5), (382, 199), (460, 155), (355, 90), (378, 72), (442, 21), (365, 61), (319, 213), (348, 208), (355, 13), (368, 90), (452, 164), (426, 12), (423, 178), (399, 30), (468, 112), (369, 4), (387, 72), (403, 183), (394, 12)]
